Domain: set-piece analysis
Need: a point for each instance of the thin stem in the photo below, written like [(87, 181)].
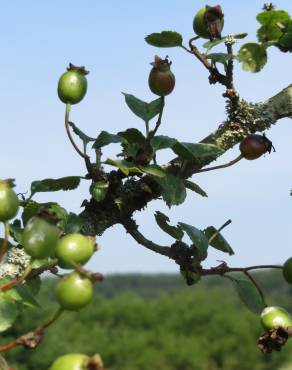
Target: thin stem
[(5, 241), (147, 128), (68, 107), (218, 231), (17, 281), (231, 163), (223, 269), (252, 279), (158, 123), (33, 338)]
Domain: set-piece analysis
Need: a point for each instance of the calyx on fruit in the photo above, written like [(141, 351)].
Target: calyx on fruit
[(208, 22), (9, 202), (161, 80), (254, 146), (274, 317), (77, 361)]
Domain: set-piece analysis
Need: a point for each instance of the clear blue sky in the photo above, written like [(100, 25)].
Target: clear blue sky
[(40, 38)]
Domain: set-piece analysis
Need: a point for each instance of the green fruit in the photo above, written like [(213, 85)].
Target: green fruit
[(274, 317), (9, 202), (98, 190), (74, 292), (161, 80), (39, 238), (72, 85), (73, 249), (287, 270), (200, 25), (71, 361)]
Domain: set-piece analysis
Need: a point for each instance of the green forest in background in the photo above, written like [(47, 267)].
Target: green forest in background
[(146, 322)]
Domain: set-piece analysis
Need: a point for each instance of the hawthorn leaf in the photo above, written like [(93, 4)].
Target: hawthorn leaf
[(252, 56), (162, 221), (164, 39), (162, 142), (273, 22), (48, 185), (172, 189), (85, 139), (197, 151), (197, 237), (249, 295), (194, 187), (145, 111), (105, 138), (8, 312), (219, 242), (124, 166)]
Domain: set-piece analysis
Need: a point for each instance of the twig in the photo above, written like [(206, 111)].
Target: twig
[(223, 269), (33, 338)]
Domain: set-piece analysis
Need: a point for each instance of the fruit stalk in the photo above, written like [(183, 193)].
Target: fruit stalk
[(158, 123), (231, 163)]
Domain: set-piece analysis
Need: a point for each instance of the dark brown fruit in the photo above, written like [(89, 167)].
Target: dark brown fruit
[(161, 80), (254, 146)]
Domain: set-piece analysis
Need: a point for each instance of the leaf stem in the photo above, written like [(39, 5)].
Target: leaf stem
[(158, 123), (5, 241)]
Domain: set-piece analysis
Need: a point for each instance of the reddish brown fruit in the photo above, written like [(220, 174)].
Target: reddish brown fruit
[(254, 146), (161, 80)]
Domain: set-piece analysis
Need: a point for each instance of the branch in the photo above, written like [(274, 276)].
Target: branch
[(224, 269), (246, 118), (33, 338)]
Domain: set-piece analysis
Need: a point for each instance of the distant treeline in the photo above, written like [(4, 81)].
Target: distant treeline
[(156, 322)]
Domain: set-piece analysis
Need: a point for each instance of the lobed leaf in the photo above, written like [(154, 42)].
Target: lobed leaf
[(252, 56), (172, 189), (48, 185)]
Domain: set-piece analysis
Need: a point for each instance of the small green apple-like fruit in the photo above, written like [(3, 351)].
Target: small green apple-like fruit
[(287, 270), (73, 249), (74, 292), (161, 80), (72, 85), (274, 317), (98, 190), (40, 238), (71, 361), (200, 22), (9, 202)]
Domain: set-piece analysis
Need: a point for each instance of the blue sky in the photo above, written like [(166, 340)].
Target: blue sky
[(39, 39)]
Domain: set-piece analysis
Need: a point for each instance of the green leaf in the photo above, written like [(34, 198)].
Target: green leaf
[(194, 187), (105, 138), (34, 285), (140, 108), (72, 223), (220, 57), (162, 221), (252, 56), (270, 21), (211, 44), (164, 39), (23, 294), (197, 237), (132, 135), (249, 295), (85, 139), (172, 188), (286, 39), (241, 35), (153, 170), (198, 152), (8, 312), (124, 166), (162, 142), (16, 232), (218, 242), (48, 185), (31, 208), (38, 263)]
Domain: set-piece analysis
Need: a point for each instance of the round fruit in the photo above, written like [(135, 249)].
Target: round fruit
[(74, 291), (254, 146), (200, 25), (98, 190), (9, 202), (161, 80), (39, 238), (73, 249), (71, 361), (72, 85), (274, 317), (287, 270)]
